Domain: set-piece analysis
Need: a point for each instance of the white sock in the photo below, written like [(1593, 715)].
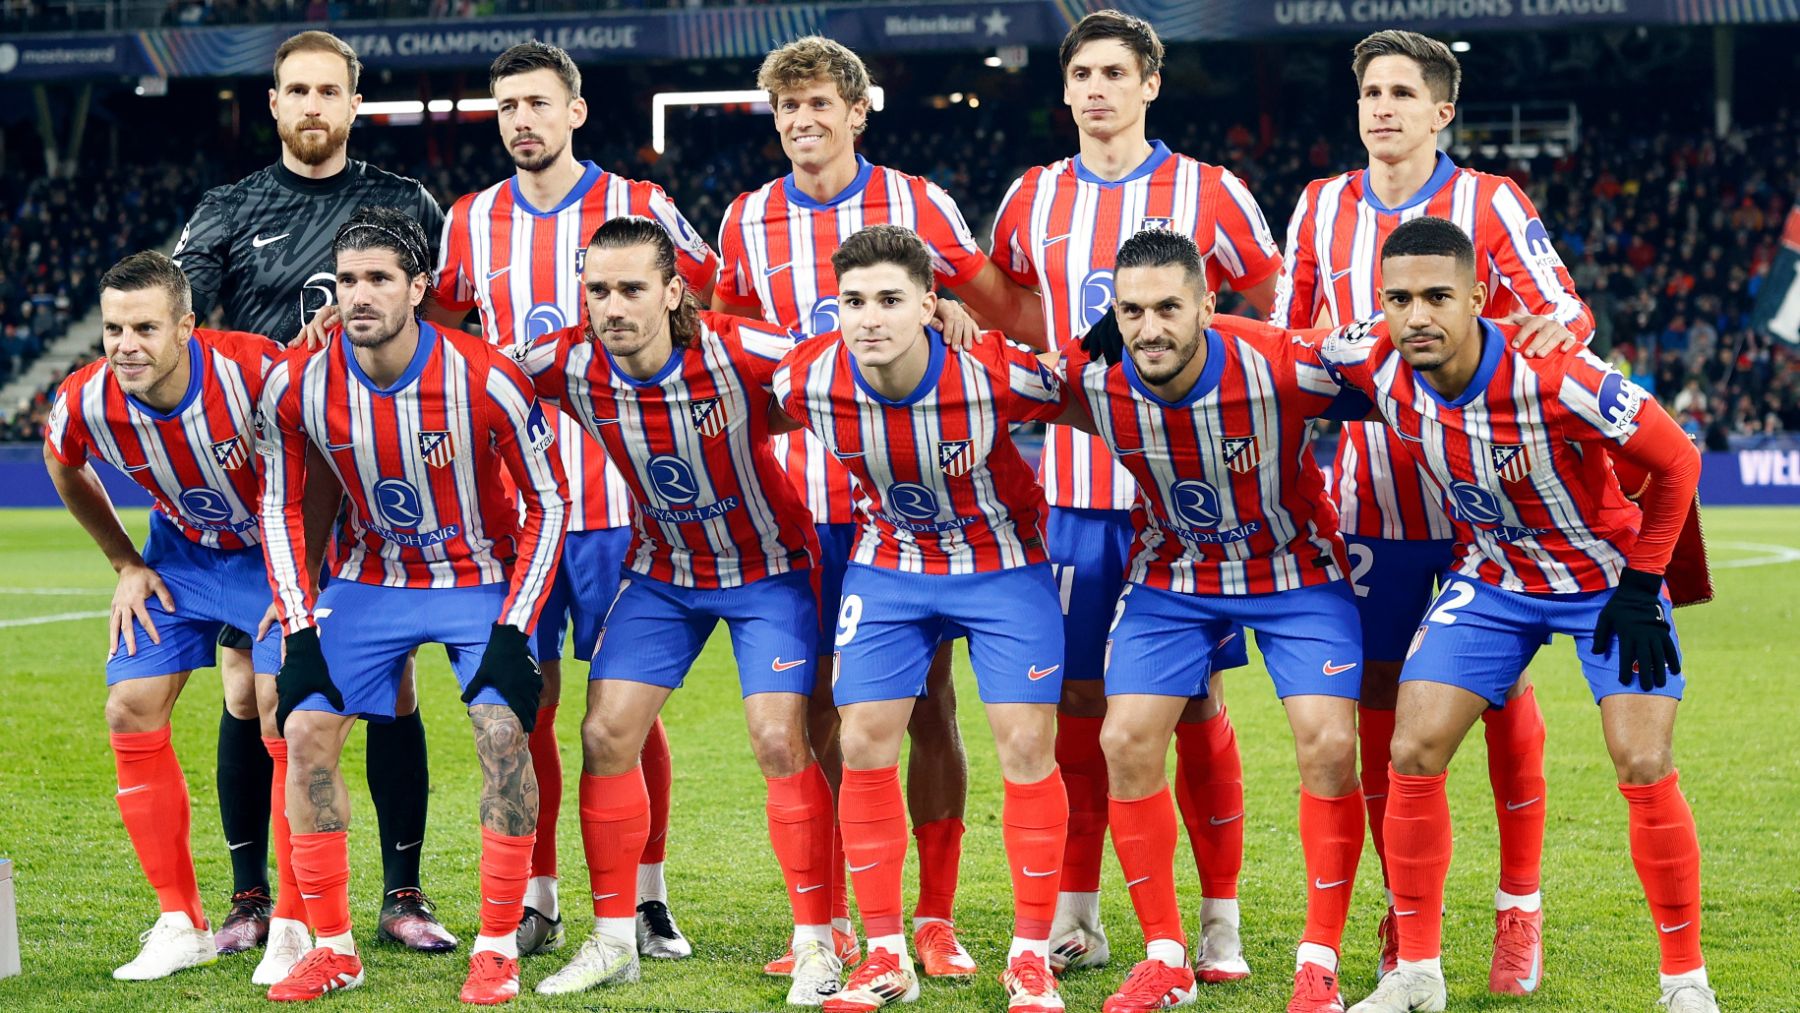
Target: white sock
[(277, 924), (651, 885), (506, 946), (1039, 948), (1216, 909), (919, 923), (1433, 966), (843, 925), (893, 944), (820, 934), (540, 895), (1314, 953), (1526, 902), (1081, 908), (177, 918), (618, 928), (343, 944), (1697, 976), (1170, 952)]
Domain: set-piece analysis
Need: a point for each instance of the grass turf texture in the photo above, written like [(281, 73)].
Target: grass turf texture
[(82, 899)]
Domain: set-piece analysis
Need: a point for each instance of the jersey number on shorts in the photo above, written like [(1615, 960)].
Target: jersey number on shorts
[(1361, 559), (1064, 575), (849, 614), (1455, 595)]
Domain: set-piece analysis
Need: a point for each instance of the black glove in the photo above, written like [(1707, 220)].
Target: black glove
[(1636, 616), (507, 666), (1103, 342), (302, 674)]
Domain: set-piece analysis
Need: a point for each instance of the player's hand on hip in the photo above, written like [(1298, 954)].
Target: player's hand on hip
[(1539, 336), (960, 329), (318, 330), (302, 674), (1636, 617), (508, 667), (137, 582)]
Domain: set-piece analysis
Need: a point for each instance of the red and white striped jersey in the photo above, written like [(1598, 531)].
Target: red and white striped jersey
[(1236, 501), (1332, 276), (775, 250), (1518, 455), (944, 490), (1059, 231), (713, 508), (420, 462), (197, 460), (522, 267)]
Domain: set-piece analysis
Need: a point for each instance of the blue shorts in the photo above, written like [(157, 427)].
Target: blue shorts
[(890, 624), (1089, 552), (586, 582), (366, 632), (213, 589), (1308, 637), (1394, 581), (655, 630), (1479, 638), (836, 542)]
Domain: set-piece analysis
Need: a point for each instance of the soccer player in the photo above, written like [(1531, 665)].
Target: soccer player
[(950, 522), (416, 423), (775, 246), (1059, 230), (170, 406), (260, 250), (1394, 524), (680, 400), (515, 250), (1209, 414), (1548, 545)]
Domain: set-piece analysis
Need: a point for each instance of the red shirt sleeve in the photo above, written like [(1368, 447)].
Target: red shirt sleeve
[(1529, 265), (955, 255), (526, 443), (735, 285), (1009, 247), (1297, 288), (282, 441), (1030, 390), (1242, 245), (453, 283), (65, 432)]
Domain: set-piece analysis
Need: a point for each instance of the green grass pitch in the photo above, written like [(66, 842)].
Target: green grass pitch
[(82, 900)]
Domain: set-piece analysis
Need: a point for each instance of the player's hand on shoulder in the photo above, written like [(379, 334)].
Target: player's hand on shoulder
[(960, 329), (318, 330), (508, 667), (1539, 336), (1104, 342), (137, 583), (302, 674)]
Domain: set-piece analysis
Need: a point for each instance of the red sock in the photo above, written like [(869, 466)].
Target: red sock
[(1035, 821), (287, 891), (799, 811), (1209, 784), (659, 776), (1666, 852), (940, 859), (1515, 741), (505, 866), (1143, 833), (322, 868), (546, 765), (1375, 730), (153, 801), (1418, 843), (840, 876), (1331, 835), (1083, 767), (872, 813), (615, 820)]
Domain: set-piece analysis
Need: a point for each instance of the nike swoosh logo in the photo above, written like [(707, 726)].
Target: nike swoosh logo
[(335, 447), (770, 272), (1530, 984), (865, 868), (1666, 929), (1335, 275), (310, 896), (403, 847), (782, 666), (605, 896), (259, 242), (1319, 884), (1403, 914), (1128, 451), (845, 455), (1371, 798), (241, 844), (1331, 669), (1037, 875), (1217, 822), (605, 422), (1133, 882), (127, 791), (1515, 807), (1053, 240), (501, 903), (134, 470), (1035, 673), (491, 275), (809, 889)]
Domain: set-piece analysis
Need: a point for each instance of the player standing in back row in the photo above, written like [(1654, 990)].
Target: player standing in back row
[(1394, 525), (1059, 230)]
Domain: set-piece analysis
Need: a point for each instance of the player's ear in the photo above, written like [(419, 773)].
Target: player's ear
[(1152, 86), (355, 104), (274, 113), (578, 112), (1446, 111), (418, 285), (1478, 297), (185, 326), (673, 293), (928, 306), (859, 115)]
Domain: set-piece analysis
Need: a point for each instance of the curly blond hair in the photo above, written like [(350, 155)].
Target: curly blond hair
[(814, 58)]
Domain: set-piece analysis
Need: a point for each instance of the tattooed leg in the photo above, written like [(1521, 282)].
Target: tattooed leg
[(317, 801), (509, 791)]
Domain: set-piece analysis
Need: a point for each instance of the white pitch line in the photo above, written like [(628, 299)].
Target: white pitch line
[(60, 617), (71, 591), (1773, 555)]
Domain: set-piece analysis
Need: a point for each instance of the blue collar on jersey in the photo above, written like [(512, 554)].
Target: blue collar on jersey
[(662, 375), (1440, 177), (795, 195), (1159, 153), (428, 339), (196, 362), (1205, 384), (590, 172), (1493, 345), (927, 383)]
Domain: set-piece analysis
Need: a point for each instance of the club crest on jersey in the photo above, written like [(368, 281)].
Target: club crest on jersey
[(1512, 462), (230, 454), (708, 416), (1165, 224), (956, 457), (436, 447), (1242, 453)]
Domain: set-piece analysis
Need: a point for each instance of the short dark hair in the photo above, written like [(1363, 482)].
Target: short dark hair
[(1437, 64), (1430, 237), (627, 231), (379, 228), (1137, 35), (885, 244), (150, 269), (534, 55), (1163, 248), (319, 42)]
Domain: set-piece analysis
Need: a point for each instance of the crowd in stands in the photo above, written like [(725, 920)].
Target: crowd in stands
[(1667, 231)]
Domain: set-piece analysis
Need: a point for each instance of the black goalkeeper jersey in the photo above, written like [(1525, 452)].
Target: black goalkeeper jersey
[(261, 247)]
